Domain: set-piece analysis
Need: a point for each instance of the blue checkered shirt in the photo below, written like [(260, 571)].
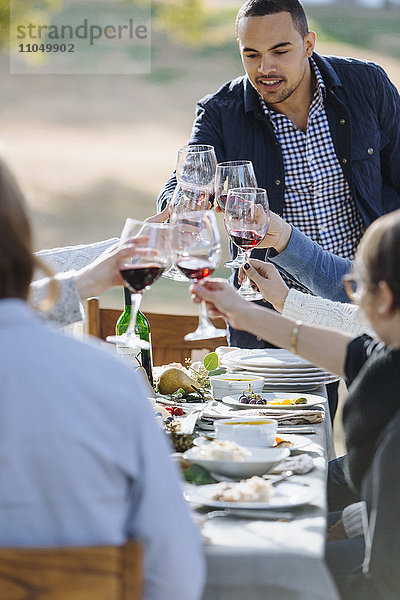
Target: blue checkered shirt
[(318, 199)]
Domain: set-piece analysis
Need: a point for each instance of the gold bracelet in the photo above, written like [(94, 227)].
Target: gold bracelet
[(294, 338)]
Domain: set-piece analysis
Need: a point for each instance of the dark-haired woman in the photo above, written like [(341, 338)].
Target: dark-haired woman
[(82, 460)]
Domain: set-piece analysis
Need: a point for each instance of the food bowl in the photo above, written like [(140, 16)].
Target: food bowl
[(234, 383), (247, 431), (261, 461)]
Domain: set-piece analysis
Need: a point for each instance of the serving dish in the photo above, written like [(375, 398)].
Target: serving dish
[(231, 383), (258, 432), (261, 461)]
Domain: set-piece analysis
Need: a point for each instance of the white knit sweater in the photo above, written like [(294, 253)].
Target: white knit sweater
[(321, 312), (65, 262)]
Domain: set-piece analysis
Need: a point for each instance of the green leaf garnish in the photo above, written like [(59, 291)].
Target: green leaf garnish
[(211, 361)]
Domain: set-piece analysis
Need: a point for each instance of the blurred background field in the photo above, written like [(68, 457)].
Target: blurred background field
[(92, 150)]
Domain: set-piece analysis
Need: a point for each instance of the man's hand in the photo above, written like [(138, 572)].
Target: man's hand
[(266, 279), (162, 216)]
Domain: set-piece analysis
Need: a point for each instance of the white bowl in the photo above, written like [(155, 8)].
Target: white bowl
[(235, 383), (261, 461), (247, 431)]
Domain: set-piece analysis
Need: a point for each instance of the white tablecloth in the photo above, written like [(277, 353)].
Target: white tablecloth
[(264, 560)]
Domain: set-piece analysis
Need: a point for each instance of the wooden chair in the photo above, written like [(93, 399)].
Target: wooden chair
[(77, 573), (167, 332)]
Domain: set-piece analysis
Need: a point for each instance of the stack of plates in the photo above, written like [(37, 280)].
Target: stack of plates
[(281, 368)]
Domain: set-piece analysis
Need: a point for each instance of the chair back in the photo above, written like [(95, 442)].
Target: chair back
[(167, 332), (74, 573)]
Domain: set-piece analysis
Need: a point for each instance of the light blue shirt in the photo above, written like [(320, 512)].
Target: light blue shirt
[(320, 271), (82, 460)]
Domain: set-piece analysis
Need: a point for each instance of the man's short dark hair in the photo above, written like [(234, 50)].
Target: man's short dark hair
[(259, 8)]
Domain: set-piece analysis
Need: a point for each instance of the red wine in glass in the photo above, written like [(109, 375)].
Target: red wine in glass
[(139, 277), (247, 240), (195, 268)]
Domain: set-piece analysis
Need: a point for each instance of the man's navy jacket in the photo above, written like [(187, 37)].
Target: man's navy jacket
[(363, 110)]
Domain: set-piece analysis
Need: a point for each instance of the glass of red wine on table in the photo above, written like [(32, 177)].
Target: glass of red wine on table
[(246, 222), (149, 259), (195, 172), (228, 175), (196, 244)]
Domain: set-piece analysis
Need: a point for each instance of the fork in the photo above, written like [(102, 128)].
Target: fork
[(247, 514)]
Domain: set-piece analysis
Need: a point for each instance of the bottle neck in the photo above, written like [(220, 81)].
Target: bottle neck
[(127, 297)]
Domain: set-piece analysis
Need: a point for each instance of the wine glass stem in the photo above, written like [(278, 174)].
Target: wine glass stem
[(204, 321), (246, 285), (136, 300), (241, 255)]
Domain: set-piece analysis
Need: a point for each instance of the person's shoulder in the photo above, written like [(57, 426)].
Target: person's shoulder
[(231, 91), (93, 353), (351, 69)]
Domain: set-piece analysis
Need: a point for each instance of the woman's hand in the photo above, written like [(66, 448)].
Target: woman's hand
[(221, 300), (278, 235), (266, 279), (103, 273)]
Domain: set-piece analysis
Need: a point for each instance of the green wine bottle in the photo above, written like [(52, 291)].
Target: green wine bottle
[(142, 329)]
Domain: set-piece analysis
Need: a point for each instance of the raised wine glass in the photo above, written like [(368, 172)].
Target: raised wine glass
[(195, 166), (228, 175), (195, 173), (196, 245), (246, 222), (149, 259), (186, 199)]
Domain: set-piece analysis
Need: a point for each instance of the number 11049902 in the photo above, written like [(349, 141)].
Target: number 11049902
[(46, 48)]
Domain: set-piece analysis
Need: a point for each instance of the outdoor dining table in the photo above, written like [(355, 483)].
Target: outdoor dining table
[(255, 559)]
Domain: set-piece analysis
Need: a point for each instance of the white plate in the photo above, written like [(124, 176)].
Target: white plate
[(319, 378), (308, 370), (312, 400), (298, 441), (267, 357), (291, 387), (287, 495), (260, 462)]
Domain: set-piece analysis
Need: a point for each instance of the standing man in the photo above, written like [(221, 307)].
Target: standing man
[(323, 132)]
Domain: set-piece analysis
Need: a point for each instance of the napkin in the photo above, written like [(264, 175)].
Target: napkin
[(283, 416), (300, 464)]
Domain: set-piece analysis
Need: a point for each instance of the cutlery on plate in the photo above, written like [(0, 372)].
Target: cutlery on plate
[(248, 514), (283, 477), (296, 429)]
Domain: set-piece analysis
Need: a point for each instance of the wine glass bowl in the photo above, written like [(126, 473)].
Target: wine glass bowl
[(229, 175), (195, 165), (196, 247), (195, 173), (246, 222), (149, 258), (232, 174)]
